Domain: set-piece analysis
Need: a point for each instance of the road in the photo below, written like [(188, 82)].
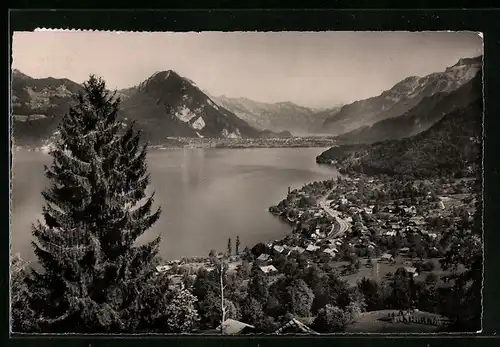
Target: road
[(340, 226)]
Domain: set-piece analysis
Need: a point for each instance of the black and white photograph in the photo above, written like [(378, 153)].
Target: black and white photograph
[(242, 183)]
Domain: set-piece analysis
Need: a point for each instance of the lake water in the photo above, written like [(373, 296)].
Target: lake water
[(207, 195)]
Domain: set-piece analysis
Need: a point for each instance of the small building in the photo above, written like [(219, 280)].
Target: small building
[(386, 257), (263, 257), (396, 226), (163, 268), (270, 269), (417, 221), (332, 247), (312, 248), (404, 250), (294, 326), (368, 210), (175, 282), (234, 327), (298, 249), (278, 248), (390, 233)]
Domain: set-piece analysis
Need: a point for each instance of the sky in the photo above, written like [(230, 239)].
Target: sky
[(314, 69)]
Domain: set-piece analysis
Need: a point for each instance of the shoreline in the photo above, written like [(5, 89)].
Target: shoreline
[(241, 143)]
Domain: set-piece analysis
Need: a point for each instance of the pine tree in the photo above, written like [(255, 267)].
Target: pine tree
[(229, 247), (96, 208), (237, 246)]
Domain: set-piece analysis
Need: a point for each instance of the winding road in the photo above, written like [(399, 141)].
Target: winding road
[(340, 226)]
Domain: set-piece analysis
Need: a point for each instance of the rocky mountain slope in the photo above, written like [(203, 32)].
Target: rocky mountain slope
[(427, 112), (277, 117), (164, 105), (37, 106), (401, 98), (167, 105), (452, 146)]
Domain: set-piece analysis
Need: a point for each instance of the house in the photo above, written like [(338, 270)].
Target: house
[(234, 327), (343, 201), (432, 235), (390, 233), (353, 209), (386, 257), (298, 249), (294, 326), (332, 247), (175, 282), (312, 248), (417, 221), (163, 268), (329, 251), (441, 205), (263, 257), (368, 210), (411, 270), (268, 269), (404, 250), (278, 248), (396, 226)]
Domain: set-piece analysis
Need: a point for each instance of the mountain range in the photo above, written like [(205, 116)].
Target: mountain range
[(401, 98), (451, 146), (164, 105), (168, 105), (280, 116), (419, 118)]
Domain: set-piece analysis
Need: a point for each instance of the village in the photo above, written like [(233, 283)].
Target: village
[(387, 223), (360, 227)]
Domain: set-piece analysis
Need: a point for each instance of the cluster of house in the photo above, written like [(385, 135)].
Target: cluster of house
[(403, 219), (328, 247)]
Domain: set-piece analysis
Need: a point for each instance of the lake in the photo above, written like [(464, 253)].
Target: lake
[(207, 195)]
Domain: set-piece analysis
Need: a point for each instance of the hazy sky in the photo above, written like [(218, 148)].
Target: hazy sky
[(317, 69)]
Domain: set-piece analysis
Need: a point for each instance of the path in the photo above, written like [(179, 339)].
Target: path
[(340, 224)]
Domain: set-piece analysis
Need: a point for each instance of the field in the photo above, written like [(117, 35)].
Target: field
[(384, 268)]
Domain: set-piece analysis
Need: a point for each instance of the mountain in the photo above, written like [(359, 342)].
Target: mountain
[(37, 106), (164, 105), (168, 105), (452, 146), (277, 117), (427, 112), (401, 98)]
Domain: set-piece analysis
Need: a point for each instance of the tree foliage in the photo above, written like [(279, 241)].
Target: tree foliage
[(93, 272)]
